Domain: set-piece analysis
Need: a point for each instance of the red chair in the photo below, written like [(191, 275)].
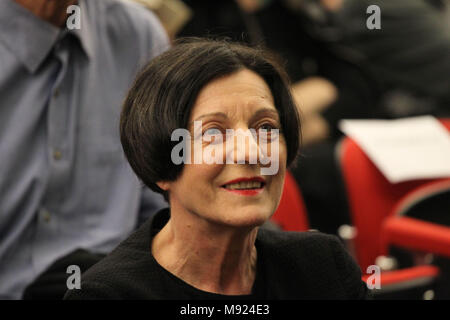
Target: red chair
[(401, 230), (291, 214), (373, 203), (371, 198)]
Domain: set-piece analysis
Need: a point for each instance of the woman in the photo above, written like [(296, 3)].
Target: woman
[(208, 244)]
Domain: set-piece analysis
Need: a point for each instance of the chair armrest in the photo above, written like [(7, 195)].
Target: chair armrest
[(405, 277), (415, 234)]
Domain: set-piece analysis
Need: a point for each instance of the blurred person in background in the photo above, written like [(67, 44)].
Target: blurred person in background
[(399, 70), (173, 14), (67, 195), (409, 56)]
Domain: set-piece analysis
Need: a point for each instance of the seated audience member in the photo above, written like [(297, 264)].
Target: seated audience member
[(208, 244), (67, 194)]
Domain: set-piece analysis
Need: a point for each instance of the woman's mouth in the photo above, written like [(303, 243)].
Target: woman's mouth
[(245, 186)]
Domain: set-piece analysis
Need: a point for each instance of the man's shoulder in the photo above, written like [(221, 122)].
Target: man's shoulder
[(126, 19), (129, 8)]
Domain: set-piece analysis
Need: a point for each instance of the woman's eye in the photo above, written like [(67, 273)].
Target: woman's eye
[(268, 132), (267, 126), (212, 132), (213, 135)]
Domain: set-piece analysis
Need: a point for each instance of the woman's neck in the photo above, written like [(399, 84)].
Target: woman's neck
[(209, 257)]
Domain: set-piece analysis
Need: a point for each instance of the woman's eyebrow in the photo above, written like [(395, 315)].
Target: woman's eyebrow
[(257, 114), (265, 111)]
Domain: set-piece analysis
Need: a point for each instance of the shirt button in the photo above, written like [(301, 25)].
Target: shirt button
[(45, 215), (57, 155)]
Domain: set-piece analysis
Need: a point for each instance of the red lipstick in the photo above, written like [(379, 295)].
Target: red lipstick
[(257, 179), (246, 192)]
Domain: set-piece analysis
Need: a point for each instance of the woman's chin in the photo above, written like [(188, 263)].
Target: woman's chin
[(247, 218)]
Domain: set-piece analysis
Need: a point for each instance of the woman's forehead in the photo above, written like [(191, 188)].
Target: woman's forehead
[(245, 91)]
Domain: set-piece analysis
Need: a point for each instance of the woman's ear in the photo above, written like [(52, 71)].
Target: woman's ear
[(164, 185)]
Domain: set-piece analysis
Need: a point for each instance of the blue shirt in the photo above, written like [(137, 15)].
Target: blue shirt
[(64, 180)]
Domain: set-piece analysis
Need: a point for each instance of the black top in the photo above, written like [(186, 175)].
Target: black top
[(290, 265)]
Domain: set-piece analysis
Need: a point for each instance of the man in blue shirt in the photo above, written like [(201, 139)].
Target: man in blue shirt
[(64, 181)]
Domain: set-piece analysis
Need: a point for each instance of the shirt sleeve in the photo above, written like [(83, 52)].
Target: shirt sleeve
[(152, 36)]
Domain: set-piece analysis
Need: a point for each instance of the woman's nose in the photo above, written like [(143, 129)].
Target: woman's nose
[(242, 147)]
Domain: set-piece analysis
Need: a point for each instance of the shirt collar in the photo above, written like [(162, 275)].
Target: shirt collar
[(85, 31), (37, 37)]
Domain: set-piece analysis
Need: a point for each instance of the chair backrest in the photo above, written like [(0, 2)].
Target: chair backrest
[(371, 197), (429, 202), (291, 213)]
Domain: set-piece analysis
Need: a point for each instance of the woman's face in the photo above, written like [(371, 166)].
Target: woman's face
[(209, 191)]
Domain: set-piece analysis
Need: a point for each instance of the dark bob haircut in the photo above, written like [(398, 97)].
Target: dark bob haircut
[(163, 94)]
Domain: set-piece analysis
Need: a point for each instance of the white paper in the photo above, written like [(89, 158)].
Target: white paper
[(403, 149)]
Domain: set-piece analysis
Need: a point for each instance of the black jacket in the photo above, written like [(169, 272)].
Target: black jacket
[(291, 265)]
